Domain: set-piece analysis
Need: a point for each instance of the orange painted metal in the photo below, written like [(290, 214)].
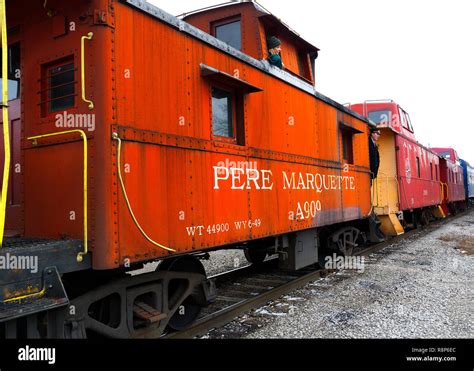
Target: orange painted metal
[(257, 26), (251, 43), (189, 191)]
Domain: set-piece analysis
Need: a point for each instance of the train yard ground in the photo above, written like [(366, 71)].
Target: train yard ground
[(418, 287)]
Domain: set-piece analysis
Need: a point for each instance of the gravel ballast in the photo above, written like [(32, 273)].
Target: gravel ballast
[(421, 287)]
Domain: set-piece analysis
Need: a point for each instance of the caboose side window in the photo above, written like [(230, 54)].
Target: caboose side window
[(223, 113), (58, 92), (380, 117), (228, 31), (347, 150), (418, 169)]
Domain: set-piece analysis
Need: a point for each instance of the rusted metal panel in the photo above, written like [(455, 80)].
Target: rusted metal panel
[(291, 143), (59, 26), (288, 176), (196, 33), (248, 17)]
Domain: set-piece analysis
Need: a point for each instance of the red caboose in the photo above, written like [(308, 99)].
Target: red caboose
[(452, 177), (408, 186)]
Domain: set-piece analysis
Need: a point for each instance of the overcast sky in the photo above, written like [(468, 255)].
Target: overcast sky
[(419, 53)]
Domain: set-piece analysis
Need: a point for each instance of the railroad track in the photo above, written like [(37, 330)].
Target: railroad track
[(251, 287)]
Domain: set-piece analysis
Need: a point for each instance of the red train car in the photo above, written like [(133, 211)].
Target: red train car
[(408, 187), (452, 176), (142, 138)]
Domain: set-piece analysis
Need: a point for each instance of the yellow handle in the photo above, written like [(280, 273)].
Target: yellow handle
[(39, 294), (116, 137), (83, 70), (446, 185), (80, 256), (6, 122)]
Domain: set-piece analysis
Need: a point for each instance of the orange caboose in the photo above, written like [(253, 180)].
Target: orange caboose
[(190, 144)]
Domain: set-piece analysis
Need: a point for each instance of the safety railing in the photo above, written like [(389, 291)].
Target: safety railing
[(6, 122), (83, 69), (444, 191)]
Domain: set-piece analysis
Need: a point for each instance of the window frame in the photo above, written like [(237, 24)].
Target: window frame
[(418, 167), (405, 120), (347, 131), (229, 20), (234, 107), (45, 102), (347, 146), (388, 111)]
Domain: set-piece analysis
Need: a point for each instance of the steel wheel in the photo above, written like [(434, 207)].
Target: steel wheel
[(189, 310), (255, 256)]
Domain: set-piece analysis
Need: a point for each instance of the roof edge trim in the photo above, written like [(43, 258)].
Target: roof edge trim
[(264, 65)]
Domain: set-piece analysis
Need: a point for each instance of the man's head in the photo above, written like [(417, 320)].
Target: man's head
[(375, 134), (274, 45)]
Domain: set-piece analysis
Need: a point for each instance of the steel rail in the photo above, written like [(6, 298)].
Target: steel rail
[(228, 314)]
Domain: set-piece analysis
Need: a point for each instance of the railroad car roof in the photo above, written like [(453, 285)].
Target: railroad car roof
[(265, 15), (185, 27)]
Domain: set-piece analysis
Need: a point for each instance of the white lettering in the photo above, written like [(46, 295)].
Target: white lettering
[(37, 354)]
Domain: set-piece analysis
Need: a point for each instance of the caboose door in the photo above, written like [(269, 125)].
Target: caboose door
[(13, 223)]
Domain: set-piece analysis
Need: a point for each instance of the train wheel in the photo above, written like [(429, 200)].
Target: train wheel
[(345, 240), (188, 311), (255, 256), (425, 218)]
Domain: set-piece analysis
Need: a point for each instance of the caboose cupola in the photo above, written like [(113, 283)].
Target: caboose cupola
[(247, 27)]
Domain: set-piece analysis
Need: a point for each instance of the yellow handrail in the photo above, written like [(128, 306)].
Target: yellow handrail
[(36, 294), (80, 256), (83, 70), (447, 190), (6, 122), (116, 137)]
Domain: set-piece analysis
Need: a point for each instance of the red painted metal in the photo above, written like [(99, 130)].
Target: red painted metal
[(417, 166), (418, 173), (452, 176)]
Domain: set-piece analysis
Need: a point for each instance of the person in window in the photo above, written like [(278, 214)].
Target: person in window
[(374, 153), (274, 52)]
